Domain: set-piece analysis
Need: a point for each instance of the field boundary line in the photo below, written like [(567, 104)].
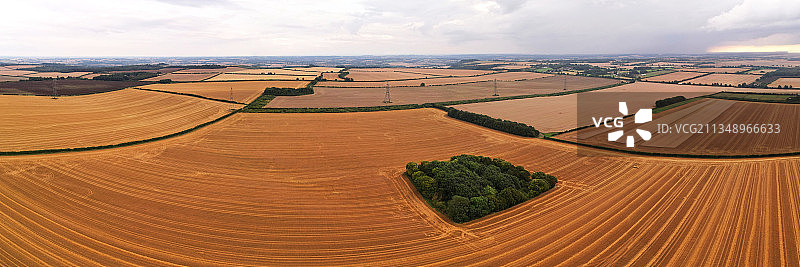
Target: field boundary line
[(124, 144), (192, 95)]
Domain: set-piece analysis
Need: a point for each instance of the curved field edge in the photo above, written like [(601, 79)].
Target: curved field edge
[(124, 144)]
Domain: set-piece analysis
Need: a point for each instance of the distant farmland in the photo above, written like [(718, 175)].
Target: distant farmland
[(724, 79), (673, 77), (505, 76), (243, 91), (356, 97), (711, 112), (64, 87)]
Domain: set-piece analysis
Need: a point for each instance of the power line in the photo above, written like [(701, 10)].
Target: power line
[(495, 88), (387, 98)]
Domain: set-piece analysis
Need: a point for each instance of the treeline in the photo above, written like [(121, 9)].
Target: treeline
[(126, 76), (511, 127), (770, 77), (307, 90), (469, 187), (669, 101)]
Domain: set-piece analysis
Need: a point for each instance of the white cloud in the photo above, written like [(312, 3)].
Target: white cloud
[(758, 14), (357, 27)]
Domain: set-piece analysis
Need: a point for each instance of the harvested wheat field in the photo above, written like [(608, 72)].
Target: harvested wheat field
[(503, 76), (761, 71), (220, 70), (276, 72), (560, 113), (331, 76), (673, 77), (13, 72), (11, 78), (243, 92), (724, 79), (318, 69), (39, 122), (259, 77), (712, 141), (182, 77), (357, 97), (263, 189), (716, 70), (783, 82)]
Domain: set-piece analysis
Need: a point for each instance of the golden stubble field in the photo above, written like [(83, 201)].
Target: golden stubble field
[(325, 189), (39, 122)]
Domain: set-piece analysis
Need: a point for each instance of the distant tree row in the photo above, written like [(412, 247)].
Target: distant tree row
[(469, 187), (126, 76), (511, 127), (669, 101)]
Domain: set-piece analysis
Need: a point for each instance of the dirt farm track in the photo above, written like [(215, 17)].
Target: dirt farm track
[(325, 189)]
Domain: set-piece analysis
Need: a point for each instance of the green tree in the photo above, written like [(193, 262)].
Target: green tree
[(536, 187), (479, 207), (426, 185), (458, 209)]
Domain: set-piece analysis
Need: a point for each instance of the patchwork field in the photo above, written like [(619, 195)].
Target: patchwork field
[(794, 82), (355, 97), (243, 91), (673, 77), (64, 87), (724, 79), (35, 123), (711, 141), (504, 76), (264, 189), (560, 113), (259, 77)]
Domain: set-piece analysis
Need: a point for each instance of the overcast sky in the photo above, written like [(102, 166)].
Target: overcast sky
[(392, 27)]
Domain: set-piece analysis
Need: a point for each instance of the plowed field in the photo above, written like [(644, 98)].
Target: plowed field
[(710, 141)]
